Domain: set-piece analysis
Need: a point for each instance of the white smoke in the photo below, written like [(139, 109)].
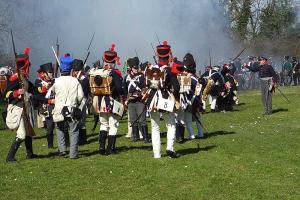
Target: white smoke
[(189, 26)]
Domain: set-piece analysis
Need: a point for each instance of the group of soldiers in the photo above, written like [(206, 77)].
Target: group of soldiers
[(168, 89), (290, 71)]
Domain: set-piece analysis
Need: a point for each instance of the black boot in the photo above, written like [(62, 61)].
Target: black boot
[(50, 141), (172, 154), (82, 137), (102, 141), (179, 133), (28, 145), (111, 149), (13, 150), (144, 130), (135, 133)]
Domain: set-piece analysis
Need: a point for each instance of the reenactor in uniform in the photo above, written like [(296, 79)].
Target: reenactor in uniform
[(18, 87), (5, 73), (193, 95), (44, 98), (66, 113), (268, 81), (214, 87), (296, 71), (287, 69), (106, 86), (134, 83), (163, 87), (77, 71)]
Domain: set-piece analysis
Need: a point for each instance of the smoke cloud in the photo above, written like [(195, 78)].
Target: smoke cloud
[(189, 26)]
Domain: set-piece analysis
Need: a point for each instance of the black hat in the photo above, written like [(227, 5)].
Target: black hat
[(144, 65), (286, 57), (133, 62), (262, 58), (47, 67), (163, 51), (189, 62), (77, 65)]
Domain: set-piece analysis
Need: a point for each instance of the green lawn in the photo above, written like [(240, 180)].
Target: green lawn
[(245, 156)]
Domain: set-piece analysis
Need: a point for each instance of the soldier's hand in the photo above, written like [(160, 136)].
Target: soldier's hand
[(21, 91), (51, 101)]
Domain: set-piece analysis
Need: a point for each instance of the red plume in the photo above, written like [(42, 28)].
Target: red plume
[(118, 60), (112, 47), (26, 51), (165, 43)]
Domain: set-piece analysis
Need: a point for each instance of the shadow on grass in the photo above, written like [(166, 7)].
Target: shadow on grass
[(40, 137), (195, 150), (216, 133), (279, 110)]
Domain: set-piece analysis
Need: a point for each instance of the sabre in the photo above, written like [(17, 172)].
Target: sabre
[(55, 55), (283, 95)]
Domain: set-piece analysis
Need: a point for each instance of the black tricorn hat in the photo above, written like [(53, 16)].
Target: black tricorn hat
[(133, 62), (77, 65), (47, 67), (164, 50)]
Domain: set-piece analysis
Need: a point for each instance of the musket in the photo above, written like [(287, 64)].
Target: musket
[(136, 54), (240, 53), (88, 49), (154, 57), (57, 61), (24, 98), (55, 55), (283, 95), (157, 38), (209, 57)]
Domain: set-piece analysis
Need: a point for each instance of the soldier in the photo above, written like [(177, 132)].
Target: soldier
[(287, 69), (66, 114), (214, 87), (15, 118), (162, 86), (77, 71), (182, 101), (5, 73), (133, 85), (45, 98), (193, 95), (268, 80), (296, 71), (106, 86)]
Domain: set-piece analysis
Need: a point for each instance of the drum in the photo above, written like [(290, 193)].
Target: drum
[(3, 84)]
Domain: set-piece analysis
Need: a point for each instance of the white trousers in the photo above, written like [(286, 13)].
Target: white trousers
[(169, 118), (21, 131), (213, 102), (189, 124), (109, 123)]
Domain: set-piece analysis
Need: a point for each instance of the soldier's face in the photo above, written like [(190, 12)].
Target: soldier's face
[(134, 71)]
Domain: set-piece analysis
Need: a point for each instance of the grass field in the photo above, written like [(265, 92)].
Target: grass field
[(245, 156)]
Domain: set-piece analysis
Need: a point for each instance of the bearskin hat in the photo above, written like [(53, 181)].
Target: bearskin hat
[(133, 62), (77, 65), (66, 63), (111, 56), (189, 62), (47, 67)]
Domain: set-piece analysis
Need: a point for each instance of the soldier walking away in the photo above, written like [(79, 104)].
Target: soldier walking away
[(66, 112), (163, 87), (106, 86), (268, 81), (287, 69), (19, 89)]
